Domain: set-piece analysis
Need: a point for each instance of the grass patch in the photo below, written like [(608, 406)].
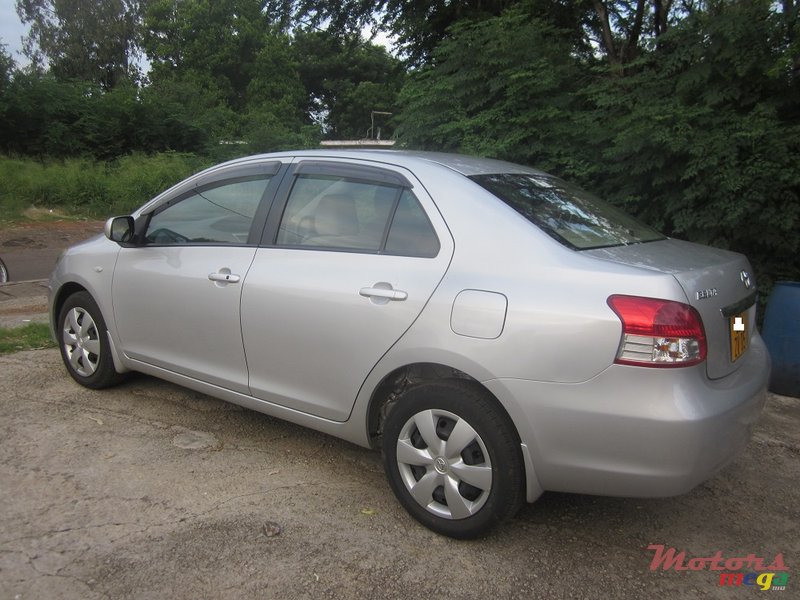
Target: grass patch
[(33, 336)]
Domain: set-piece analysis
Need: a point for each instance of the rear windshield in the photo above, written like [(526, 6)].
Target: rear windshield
[(567, 213)]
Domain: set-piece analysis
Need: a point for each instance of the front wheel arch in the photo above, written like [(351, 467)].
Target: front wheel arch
[(64, 292)]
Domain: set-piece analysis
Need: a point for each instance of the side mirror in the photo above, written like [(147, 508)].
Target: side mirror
[(119, 229)]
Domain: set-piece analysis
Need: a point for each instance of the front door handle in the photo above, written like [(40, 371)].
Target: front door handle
[(223, 277), (383, 293)]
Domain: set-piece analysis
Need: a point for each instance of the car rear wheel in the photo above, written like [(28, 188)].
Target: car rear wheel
[(453, 458), (83, 340)]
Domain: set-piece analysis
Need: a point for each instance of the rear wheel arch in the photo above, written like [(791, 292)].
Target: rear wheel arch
[(392, 386)]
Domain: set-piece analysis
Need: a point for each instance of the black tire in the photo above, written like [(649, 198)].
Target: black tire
[(446, 403), (84, 344)]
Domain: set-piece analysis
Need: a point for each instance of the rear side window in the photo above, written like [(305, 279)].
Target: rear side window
[(338, 213), (567, 213), (330, 212), (411, 233)]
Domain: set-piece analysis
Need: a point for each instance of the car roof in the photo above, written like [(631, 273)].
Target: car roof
[(460, 163)]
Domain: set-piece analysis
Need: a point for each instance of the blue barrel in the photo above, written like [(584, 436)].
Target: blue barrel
[(782, 335)]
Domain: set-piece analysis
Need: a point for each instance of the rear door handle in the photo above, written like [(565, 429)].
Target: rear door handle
[(224, 277), (387, 294)]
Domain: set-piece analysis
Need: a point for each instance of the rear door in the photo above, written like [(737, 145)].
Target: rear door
[(351, 255), (176, 297)]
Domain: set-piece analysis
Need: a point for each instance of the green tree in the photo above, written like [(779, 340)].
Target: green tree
[(345, 79), (88, 40), (702, 138), (214, 44), (619, 27), (7, 67), (276, 83), (699, 133), (503, 87), (418, 26), (232, 69), (41, 116), (276, 117)]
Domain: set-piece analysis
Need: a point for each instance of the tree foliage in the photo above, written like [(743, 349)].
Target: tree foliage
[(89, 40), (703, 139), (282, 88), (224, 80), (695, 135), (214, 43), (619, 27), (345, 80), (488, 93), (44, 117), (418, 26)]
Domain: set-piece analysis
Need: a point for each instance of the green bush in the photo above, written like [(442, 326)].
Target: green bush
[(699, 136)]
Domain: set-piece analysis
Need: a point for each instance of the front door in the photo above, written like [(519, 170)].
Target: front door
[(176, 297)]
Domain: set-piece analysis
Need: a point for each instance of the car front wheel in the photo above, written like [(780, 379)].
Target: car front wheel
[(453, 458), (83, 340)]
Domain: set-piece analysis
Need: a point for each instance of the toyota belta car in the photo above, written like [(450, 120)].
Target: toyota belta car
[(495, 331)]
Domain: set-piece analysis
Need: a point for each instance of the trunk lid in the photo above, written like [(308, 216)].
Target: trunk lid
[(719, 284)]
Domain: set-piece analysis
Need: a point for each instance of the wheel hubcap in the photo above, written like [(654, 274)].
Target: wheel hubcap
[(81, 342), (444, 464)]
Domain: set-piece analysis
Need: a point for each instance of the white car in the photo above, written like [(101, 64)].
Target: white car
[(497, 331)]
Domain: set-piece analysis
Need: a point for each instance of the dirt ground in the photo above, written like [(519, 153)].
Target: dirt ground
[(30, 249), (149, 490)]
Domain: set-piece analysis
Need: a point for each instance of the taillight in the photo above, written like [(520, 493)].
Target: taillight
[(658, 333)]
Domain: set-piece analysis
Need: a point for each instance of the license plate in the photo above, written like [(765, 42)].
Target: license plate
[(739, 335)]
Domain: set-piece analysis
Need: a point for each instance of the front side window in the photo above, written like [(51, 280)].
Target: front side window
[(221, 214), (333, 212), (566, 212)]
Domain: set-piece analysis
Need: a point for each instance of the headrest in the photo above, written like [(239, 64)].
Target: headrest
[(336, 215)]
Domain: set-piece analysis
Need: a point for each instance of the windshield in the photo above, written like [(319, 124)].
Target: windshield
[(566, 212)]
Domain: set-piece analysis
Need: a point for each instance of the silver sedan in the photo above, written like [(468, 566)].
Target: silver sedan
[(496, 331)]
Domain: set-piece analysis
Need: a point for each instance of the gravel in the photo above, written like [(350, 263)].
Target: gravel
[(150, 490)]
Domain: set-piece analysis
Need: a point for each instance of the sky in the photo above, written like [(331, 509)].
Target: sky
[(12, 30)]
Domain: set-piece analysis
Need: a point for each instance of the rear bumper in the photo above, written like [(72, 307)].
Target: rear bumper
[(634, 431)]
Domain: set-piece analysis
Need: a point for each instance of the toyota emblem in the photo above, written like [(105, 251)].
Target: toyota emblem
[(745, 277)]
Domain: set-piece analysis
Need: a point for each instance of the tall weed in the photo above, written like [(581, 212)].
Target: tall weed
[(88, 188)]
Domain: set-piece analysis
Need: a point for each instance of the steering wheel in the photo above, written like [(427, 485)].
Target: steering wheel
[(167, 236)]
